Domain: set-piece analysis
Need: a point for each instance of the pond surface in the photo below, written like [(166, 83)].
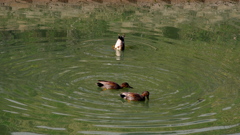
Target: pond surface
[(187, 57)]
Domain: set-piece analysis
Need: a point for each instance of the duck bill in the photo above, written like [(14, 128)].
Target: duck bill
[(147, 97), (130, 87)]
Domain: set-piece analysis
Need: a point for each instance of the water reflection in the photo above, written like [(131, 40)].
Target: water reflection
[(52, 55), (119, 55)]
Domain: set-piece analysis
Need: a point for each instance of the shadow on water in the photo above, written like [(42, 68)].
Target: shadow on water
[(171, 32), (186, 56), (144, 104)]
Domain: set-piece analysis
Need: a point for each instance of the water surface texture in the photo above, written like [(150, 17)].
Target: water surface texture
[(186, 56)]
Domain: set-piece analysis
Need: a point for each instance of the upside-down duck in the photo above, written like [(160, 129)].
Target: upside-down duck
[(120, 45)]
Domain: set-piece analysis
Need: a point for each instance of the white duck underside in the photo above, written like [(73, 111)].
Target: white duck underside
[(118, 45)]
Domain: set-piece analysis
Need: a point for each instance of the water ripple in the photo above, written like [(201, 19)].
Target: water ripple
[(49, 83), (25, 133), (52, 128), (158, 125), (16, 102)]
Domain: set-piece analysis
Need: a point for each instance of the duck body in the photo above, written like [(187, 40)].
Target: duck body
[(112, 85), (130, 96), (120, 45)]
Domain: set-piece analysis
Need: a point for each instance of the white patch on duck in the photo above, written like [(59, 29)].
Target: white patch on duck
[(120, 43)]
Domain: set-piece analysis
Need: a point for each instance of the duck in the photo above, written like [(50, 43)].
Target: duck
[(112, 85), (120, 46), (130, 96)]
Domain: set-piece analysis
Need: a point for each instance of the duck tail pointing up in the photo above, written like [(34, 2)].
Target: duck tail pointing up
[(122, 95), (99, 84)]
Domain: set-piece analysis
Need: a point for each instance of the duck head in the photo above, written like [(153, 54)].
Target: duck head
[(126, 85), (146, 94)]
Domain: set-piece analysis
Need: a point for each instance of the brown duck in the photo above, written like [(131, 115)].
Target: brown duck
[(130, 96), (112, 85)]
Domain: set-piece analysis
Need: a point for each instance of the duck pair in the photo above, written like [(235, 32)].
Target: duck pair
[(130, 96)]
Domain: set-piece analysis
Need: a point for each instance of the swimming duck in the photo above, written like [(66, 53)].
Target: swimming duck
[(130, 96), (112, 85), (120, 43)]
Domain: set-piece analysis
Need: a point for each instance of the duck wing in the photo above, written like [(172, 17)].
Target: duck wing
[(131, 96), (108, 84)]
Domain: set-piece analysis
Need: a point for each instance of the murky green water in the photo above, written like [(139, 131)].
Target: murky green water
[(187, 58)]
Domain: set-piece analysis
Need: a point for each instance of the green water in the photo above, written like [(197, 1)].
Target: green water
[(187, 58)]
